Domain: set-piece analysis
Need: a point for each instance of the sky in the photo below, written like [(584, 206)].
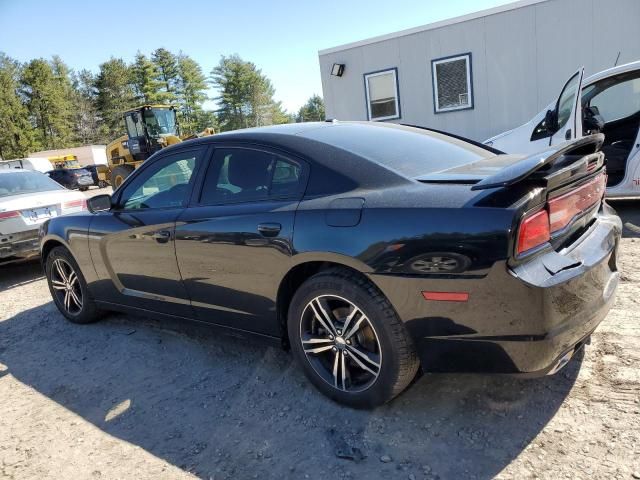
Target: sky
[(280, 37)]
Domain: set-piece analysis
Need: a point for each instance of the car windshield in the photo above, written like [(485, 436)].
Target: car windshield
[(160, 121), (18, 183)]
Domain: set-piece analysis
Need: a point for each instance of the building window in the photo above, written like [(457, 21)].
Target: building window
[(382, 95), (452, 84)]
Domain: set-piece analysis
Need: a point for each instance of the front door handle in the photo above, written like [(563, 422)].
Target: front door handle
[(162, 236), (269, 229)]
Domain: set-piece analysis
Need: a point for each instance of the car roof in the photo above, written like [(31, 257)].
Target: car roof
[(609, 72)]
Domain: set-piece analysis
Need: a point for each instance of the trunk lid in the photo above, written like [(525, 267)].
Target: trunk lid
[(564, 182)]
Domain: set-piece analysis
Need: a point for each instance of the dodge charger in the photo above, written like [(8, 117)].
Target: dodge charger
[(371, 251)]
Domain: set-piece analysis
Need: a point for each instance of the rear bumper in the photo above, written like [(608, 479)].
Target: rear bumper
[(21, 244), (520, 320)]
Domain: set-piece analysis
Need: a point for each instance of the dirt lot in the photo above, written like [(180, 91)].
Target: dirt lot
[(132, 398)]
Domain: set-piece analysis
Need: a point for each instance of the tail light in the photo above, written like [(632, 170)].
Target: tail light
[(82, 203), (558, 213), (534, 231), (9, 214), (563, 209)]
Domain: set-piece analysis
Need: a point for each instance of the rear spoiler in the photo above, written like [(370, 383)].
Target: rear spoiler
[(525, 167)]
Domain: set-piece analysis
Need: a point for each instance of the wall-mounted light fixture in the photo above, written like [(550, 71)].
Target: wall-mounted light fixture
[(337, 70)]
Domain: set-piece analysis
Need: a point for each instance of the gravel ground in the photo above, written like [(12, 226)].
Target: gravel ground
[(132, 398)]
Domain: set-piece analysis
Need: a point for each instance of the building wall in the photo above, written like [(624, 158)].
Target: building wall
[(520, 60)]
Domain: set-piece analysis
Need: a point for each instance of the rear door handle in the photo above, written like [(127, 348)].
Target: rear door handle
[(162, 236), (269, 229)]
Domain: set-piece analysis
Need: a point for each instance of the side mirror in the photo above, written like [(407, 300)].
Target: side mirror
[(99, 203), (551, 121)]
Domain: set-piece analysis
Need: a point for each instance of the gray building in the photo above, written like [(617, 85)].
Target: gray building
[(479, 74)]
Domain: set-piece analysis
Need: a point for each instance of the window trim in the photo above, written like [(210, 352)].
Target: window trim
[(200, 155), (377, 73), (434, 82), (195, 200)]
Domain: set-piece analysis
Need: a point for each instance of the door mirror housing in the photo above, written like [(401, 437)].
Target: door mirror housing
[(551, 121), (99, 203)]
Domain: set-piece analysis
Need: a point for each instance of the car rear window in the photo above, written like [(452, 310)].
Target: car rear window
[(18, 183), (411, 152)]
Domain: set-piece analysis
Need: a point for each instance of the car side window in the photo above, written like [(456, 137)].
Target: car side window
[(164, 184), (619, 101), (244, 175)]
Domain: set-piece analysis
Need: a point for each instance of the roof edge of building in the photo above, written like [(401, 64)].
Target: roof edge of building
[(432, 26)]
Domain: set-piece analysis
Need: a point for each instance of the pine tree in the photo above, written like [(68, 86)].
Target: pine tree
[(114, 96), (246, 95), (167, 67), (46, 89), (16, 132), (191, 89), (312, 111), (147, 87)]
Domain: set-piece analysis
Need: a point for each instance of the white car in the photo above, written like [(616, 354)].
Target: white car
[(607, 102), (27, 199)]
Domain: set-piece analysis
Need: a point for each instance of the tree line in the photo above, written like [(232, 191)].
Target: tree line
[(46, 105)]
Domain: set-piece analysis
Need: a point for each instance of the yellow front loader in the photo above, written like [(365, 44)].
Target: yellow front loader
[(149, 129)]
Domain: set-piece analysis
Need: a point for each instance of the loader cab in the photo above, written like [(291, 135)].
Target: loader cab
[(149, 129)]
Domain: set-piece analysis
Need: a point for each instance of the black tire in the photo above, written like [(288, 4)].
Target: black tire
[(87, 312), (102, 184), (398, 362), (119, 174), (83, 189)]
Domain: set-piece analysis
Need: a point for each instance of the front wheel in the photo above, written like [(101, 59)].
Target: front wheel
[(120, 173), (349, 340)]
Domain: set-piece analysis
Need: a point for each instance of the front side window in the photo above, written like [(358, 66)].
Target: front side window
[(382, 95), (244, 175), (135, 128), (618, 101), (163, 185), (452, 87), (567, 101)]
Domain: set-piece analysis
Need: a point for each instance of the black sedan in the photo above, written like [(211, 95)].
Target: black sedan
[(72, 178), (371, 250)]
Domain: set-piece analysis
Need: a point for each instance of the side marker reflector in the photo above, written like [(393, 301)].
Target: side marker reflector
[(446, 296)]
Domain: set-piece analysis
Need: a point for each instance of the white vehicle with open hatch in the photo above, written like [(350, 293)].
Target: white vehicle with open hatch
[(607, 102)]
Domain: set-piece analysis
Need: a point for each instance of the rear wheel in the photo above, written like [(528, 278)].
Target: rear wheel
[(119, 174), (69, 288), (349, 340)]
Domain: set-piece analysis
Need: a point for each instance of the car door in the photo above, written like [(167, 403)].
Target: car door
[(234, 243), (560, 122), (132, 245), (568, 111)]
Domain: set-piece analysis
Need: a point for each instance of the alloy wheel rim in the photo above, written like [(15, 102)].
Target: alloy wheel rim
[(66, 286), (340, 343), (435, 264)]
